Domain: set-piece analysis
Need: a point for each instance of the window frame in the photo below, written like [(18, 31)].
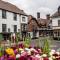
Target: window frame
[(4, 15), (4, 29), (23, 19), (15, 28), (15, 16)]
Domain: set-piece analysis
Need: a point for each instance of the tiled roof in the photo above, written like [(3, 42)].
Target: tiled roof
[(10, 7), (42, 22), (39, 21), (56, 14)]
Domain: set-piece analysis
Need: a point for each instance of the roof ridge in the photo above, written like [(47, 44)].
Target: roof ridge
[(10, 7)]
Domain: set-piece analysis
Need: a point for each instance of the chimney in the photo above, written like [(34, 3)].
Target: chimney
[(59, 10), (38, 14), (48, 16)]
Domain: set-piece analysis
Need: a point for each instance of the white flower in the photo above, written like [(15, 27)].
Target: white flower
[(50, 58), (18, 55), (32, 49), (29, 52), (53, 57), (39, 57), (27, 49), (52, 52), (58, 53), (44, 55), (22, 51)]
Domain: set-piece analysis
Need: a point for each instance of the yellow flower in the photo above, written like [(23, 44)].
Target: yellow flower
[(20, 49), (26, 45), (10, 51)]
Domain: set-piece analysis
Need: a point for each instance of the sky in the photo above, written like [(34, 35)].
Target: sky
[(31, 7)]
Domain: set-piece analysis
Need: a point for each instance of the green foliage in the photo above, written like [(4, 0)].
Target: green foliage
[(58, 49), (27, 41), (1, 53), (1, 37), (17, 37), (46, 47)]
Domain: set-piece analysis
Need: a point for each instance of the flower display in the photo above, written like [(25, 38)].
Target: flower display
[(28, 53)]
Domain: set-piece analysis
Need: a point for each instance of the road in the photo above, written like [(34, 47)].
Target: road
[(54, 44)]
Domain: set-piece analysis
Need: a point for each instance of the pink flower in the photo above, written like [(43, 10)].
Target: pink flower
[(24, 54)]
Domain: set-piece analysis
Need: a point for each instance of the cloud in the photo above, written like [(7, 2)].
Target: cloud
[(32, 6), (45, 10)]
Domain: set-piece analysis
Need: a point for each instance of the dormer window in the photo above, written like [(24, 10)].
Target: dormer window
[(4, 14), (23, 19), (15, 16)]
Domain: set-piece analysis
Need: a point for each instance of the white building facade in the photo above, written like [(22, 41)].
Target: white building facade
[(10, 19), (24, 27), (56, 23)]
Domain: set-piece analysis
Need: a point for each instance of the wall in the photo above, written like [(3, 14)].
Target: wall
[(9, 21), (32, 24), (55, 23), (26, 19)]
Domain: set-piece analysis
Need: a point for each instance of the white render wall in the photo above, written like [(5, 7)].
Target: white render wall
[(55, 21), (9, 21)]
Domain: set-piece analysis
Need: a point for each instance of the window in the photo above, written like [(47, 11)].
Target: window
[(15, 28), (4, 27), (15, 16), (4, 14), (23, 19), (24, 27), (58, 22)]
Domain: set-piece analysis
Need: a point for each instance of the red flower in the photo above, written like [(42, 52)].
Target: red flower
[(21, 58), (21, 45), (45, 58)]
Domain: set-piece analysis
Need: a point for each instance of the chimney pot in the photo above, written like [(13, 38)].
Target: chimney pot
[(48, 16), (38, 14), (59, 10)]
